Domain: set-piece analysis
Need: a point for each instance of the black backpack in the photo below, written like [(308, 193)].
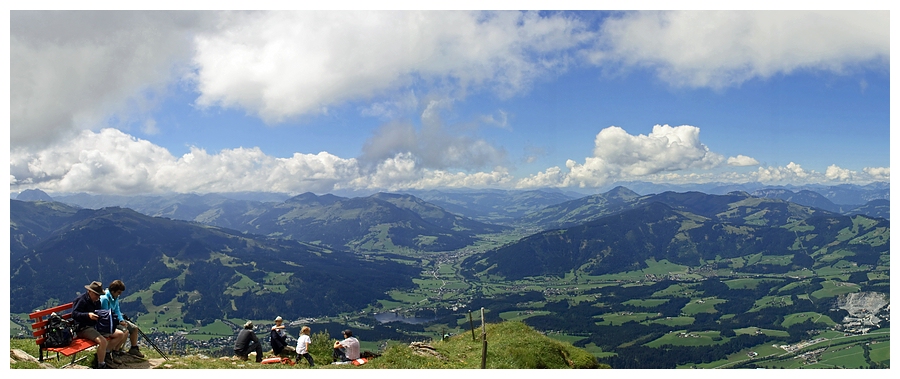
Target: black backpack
[(107, 322), (58, 332)]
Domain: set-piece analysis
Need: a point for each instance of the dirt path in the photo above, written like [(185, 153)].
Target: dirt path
[(137, 363), (130, 363)]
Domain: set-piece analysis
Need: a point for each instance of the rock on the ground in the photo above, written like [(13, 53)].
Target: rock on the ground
[(425, 350), (16, 355), (20, 355)]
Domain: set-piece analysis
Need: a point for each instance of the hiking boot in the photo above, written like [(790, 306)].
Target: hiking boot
[(103, 366), (112, 358), (135, 351)]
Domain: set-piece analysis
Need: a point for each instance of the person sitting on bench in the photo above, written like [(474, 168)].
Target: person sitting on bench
[(83, 313), (110, 300)]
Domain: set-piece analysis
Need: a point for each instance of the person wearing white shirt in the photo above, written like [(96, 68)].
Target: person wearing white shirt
[(303, 346), (346, 350)]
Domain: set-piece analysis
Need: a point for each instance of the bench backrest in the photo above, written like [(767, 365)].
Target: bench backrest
[(39, 319)]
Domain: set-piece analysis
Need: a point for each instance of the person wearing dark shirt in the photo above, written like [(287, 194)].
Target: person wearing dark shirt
[(247, 342), (278, 339), (83, 313)]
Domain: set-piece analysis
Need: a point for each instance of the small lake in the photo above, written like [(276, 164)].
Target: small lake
[(391, 317)]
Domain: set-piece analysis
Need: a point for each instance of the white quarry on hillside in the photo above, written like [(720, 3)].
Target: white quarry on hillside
[(862, 308)]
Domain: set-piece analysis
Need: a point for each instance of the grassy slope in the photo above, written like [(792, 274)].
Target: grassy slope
[(511, 345)]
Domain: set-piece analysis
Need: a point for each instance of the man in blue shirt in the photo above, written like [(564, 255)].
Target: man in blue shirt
[(110, 300)]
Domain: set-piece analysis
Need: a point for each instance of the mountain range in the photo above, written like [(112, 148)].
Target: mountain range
[(209, 272), (376, 222), (503, 207), (842, 194), (619, 231), (215, 256), (492, 206)]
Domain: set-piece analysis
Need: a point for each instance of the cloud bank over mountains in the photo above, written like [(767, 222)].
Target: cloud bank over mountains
[(77, 81), (111, 161)]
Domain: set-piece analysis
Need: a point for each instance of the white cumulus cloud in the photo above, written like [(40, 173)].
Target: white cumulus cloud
[(404, 172), (834, 172), (110, 161), (742, 160), (279, 65), (878, 173), (869, 174), (551, 177), (787, 174), (666, 148), (619, 155), (106, 162), (720, 49)]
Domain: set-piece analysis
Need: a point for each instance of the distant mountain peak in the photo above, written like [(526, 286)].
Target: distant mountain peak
[(33, 195), (306, 196), (621, 193), (309, 197)]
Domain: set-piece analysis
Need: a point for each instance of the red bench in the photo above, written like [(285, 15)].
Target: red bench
[(39, 325)]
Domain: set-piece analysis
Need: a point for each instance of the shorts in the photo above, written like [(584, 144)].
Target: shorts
[(91, 334)]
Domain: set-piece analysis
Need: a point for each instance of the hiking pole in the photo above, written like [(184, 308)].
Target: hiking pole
[(149, 341), (152, 344)]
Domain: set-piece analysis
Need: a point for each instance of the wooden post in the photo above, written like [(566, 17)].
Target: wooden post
[(483, 341), (471, 326)]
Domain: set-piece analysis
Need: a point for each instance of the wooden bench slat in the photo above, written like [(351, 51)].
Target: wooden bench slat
[(41, 313), (77, 345)]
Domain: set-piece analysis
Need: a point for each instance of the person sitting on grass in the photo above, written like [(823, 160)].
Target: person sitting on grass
[(278, 339), (247, 342), (83, 309), (346, 350), (110, 300)]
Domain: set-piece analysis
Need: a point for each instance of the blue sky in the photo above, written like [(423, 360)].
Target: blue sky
[(148, 102)]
